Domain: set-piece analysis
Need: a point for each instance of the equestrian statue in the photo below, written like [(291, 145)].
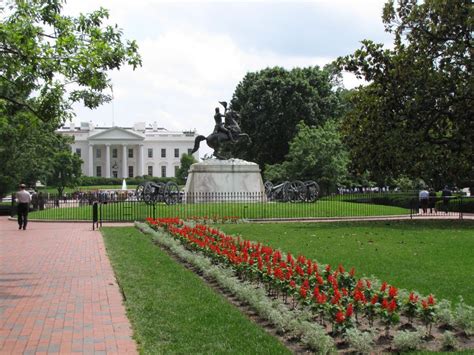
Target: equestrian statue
[(227, 131)]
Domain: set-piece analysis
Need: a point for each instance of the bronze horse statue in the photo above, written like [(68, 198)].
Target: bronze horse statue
[(215, 139)]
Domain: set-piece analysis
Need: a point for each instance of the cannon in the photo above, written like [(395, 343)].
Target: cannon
[(294, 191), (152, 192)]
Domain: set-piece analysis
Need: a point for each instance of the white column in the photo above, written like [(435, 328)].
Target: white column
[(107, 160), (140, 160), (91, 159), (124, 161)]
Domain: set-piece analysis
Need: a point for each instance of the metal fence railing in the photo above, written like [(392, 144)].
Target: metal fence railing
[(222, 206)]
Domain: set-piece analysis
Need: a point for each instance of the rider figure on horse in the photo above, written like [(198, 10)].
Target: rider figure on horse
[(220, 127)]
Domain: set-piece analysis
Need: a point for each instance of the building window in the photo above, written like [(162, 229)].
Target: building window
[(130, 153), (78, 151), (163, 153), (98, 170), (98, 153), (163, 171), (150, 170), (114, 153), (150, 152), (176, 152), (176, 168), (130, 171), (190, 151)]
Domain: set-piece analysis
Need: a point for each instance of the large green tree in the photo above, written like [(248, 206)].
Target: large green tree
[(48, 62), (415, 117), (185, 163), (316, 153), (272, 101)]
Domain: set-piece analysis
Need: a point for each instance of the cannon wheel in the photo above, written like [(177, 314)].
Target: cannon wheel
[(312, 192), (295, 191), (149, 194), (140, 191), (171, 193), (268, 188)]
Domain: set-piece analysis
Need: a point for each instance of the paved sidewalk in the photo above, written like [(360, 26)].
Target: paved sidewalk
[(58, 293)]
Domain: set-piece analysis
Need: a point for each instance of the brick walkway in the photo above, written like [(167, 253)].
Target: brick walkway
[(58, 293)]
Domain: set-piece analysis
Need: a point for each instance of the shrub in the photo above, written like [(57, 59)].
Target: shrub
[(464, 317), (362, 342), (406, 340), (449, 341), (390, 199), (465, 205)]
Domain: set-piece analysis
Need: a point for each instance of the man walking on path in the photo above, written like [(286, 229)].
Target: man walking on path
[(23, 198)]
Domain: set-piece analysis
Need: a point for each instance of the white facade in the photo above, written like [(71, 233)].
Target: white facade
[(129, 152)]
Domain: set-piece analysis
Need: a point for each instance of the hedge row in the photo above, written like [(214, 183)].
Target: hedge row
[(397, 200), (465, 205), (96, 180)]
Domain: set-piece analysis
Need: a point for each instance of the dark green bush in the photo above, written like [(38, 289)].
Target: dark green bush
[(465, 205), (97, 181), (391, 199)]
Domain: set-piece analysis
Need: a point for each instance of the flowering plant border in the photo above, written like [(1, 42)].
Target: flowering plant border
[(335, 296)]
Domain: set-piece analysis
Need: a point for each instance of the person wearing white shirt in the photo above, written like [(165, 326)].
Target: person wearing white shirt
[(23, 198), (424, 197)]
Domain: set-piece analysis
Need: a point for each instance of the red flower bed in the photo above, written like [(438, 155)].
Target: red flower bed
[(335, 295)]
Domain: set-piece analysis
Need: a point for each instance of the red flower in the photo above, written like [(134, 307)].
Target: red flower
[(316, 292), (321, 298), (424, 304), (341, 268), (431, 300), (374, 299), (413, 298), (369, 285), (293, 283), (337, 296), (352, 272), (384, 303), (392, 292), (340, 317), (303, 292), (349, 311), (383, 287), (392, 306)]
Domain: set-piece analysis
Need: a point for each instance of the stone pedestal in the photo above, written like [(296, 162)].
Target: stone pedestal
[(224, 180)]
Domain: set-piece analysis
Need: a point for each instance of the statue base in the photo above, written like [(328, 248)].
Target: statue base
[(224, 180)]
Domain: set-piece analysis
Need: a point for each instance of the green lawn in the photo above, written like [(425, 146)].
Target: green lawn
[(139, 211), (427, 256), (173, 311)]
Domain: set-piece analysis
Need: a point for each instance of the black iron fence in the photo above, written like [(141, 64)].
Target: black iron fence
[(127, 206)]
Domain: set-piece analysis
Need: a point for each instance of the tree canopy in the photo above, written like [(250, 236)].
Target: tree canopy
[(48, 62), (316, 153), (185, 163), (272, 101), (415, 116)]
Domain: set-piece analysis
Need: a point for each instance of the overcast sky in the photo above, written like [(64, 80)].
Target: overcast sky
[(195, 52)]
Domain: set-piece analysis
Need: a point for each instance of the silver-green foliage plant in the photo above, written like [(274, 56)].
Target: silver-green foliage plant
[(407, 341), (449, 341), (444, 313), (464, 317), (361, 342)]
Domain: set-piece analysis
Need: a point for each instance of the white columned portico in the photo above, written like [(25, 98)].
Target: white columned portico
[(124, 161), (107, 160), (91, 159), (140, 160)]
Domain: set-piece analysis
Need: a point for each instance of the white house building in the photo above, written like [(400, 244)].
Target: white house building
[(128, 152)]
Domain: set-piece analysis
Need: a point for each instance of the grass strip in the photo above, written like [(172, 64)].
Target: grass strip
[(136, 211), (171, 309), (428, 256)]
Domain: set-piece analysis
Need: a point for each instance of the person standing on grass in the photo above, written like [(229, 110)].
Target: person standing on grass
[(424, 196), (432, 200), (24, 198)]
